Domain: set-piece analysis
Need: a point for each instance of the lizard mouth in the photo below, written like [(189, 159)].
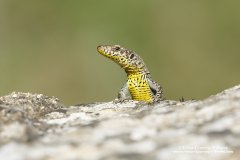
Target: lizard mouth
[(104, 51), (100, 49)]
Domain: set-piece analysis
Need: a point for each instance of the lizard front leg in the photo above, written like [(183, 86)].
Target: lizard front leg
[(123, 94), (156, 89)]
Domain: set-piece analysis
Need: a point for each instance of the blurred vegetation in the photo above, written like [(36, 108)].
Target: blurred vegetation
[(191, 47)]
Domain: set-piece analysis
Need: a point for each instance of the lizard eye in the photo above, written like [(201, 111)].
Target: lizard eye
[(131, 56), (117, 48)]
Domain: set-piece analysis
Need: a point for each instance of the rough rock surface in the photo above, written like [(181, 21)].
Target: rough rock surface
[(37, 127)]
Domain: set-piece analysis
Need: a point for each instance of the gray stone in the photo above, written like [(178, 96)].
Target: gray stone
[(37, 127)]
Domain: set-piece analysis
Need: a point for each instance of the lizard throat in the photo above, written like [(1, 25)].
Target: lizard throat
[(131, 71)]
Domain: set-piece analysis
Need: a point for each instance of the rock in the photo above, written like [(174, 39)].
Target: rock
[(20, 115), (37, 127)]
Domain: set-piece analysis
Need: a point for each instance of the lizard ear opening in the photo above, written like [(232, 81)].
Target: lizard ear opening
[(131, 56)]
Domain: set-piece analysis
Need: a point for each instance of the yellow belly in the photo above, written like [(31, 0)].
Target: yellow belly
[(139, 88)]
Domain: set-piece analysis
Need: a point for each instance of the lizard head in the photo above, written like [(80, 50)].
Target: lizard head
[(127, 59)]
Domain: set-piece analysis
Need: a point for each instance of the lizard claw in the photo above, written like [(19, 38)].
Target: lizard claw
[(117, 100)]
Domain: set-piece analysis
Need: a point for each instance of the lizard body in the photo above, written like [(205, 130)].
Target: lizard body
[(139, 83)]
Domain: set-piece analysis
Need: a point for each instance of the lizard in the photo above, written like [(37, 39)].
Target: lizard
[(140, 85)]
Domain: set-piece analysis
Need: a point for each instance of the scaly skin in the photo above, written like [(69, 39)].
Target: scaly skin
[(139, 84)]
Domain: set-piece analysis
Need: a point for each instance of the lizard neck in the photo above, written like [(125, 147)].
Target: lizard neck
[(136, 72)]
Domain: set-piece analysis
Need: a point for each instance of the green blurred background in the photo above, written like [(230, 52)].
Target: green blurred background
[(192, 48)]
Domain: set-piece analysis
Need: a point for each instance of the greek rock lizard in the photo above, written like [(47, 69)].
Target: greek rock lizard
[(139, 84)]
